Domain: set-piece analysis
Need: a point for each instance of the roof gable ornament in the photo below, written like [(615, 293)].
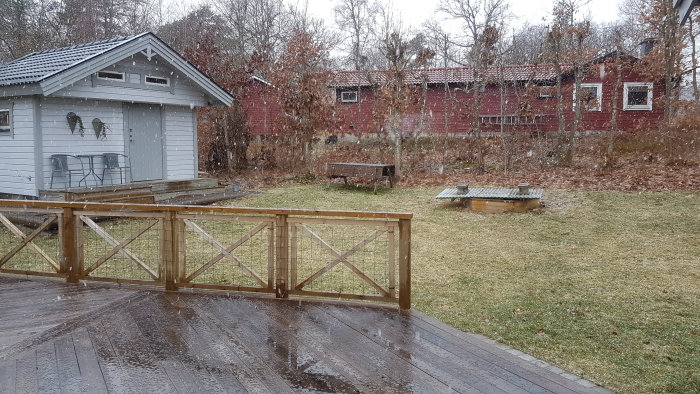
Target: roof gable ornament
[(148, 52)]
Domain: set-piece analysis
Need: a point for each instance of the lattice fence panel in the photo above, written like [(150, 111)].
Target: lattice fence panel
[(227, 250), (341, 258), (29, 241), (122, 247)]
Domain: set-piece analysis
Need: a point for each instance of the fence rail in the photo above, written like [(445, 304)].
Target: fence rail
[(316, 253)]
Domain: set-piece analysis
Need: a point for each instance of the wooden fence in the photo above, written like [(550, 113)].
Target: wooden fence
[(339, 254)]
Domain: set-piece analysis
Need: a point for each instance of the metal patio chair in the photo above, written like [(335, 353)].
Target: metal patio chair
[(65, 166), (113, 162)]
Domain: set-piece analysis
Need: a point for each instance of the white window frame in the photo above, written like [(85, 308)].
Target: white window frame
[(638, 107), (167, 80), (545, 92), (599, 93), (6, 131), (122, 75), (353, 100)]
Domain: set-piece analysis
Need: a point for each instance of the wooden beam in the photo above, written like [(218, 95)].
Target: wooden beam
[(71, 249), (404, 264), (391, 261), (293, 255), (170, 246), (271, 256), (282, 256), (202, 209)]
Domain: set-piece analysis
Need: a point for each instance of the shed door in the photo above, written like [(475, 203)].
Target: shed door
[(145, 133)]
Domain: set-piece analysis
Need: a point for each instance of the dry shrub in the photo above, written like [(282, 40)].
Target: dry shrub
[(228, 139), (679, 144), (683, 136)]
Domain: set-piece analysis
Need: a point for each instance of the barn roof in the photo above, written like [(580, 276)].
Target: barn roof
[(525, 72), (54, 69)]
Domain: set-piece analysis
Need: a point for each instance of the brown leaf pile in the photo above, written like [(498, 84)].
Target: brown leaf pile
[(631, 177)]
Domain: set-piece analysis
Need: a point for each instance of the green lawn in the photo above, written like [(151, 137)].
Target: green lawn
[(605, 285)]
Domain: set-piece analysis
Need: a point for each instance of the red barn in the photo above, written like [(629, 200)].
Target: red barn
[(515, 98), (260, 105)]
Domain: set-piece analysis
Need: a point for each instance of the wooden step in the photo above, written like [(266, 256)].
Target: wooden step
[(194, 193), (185, 184)]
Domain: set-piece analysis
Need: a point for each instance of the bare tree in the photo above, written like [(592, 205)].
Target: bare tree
[(441, 42), (400, 50), (527, 45), (693, 33), (658, 19), (356, 19), (565, 42), (483, 21), (255, 28)]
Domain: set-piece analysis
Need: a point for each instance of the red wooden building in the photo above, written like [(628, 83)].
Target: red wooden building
[(260, 105), (515, 98)]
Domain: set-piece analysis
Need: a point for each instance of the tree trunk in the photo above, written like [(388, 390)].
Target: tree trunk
[(693, 59), (561, 132)]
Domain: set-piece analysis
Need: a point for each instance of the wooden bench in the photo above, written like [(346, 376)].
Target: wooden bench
[(362, 170)]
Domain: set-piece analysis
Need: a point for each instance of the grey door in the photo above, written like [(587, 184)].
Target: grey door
[(145, 134)]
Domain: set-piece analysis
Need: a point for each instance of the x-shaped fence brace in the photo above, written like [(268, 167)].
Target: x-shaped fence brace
[(342, 258), (226, 251), (26, 240), (120, 247)]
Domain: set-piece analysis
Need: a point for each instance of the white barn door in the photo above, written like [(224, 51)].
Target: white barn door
[(145, 133)]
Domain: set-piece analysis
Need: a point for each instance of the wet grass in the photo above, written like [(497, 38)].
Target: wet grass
[(605, 285)]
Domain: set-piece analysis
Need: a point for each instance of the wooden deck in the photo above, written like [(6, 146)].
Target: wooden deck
[(188, 191), (96, 338)]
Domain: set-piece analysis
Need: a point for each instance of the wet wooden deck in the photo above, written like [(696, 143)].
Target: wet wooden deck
[(93, 338)]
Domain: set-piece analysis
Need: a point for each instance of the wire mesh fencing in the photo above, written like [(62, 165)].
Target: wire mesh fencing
[(29, 241), (226, 251), (344, 258), (352, 255), (121, 246)]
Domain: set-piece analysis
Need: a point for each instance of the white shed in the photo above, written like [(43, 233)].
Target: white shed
[(134, 96)]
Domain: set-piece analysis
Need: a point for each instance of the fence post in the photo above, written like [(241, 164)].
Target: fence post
[(70, 256), (282, 256), (169, 250), (404, 264)]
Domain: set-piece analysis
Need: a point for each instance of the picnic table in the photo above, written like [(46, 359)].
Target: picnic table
[(364, 170)]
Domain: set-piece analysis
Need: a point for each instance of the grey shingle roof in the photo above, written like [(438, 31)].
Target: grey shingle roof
[(540, 72), (38, 66)]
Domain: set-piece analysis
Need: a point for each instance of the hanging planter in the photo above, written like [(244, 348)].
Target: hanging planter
[(73, 121), (100, 128)]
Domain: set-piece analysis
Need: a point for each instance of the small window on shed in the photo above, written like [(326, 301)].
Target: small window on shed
[(158, 81), (638, 96), (348, 96), (591, 96), (111, 76), (5, 121), (545, 92)]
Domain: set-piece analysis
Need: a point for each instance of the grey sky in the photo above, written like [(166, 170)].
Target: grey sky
[(414, 12)]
